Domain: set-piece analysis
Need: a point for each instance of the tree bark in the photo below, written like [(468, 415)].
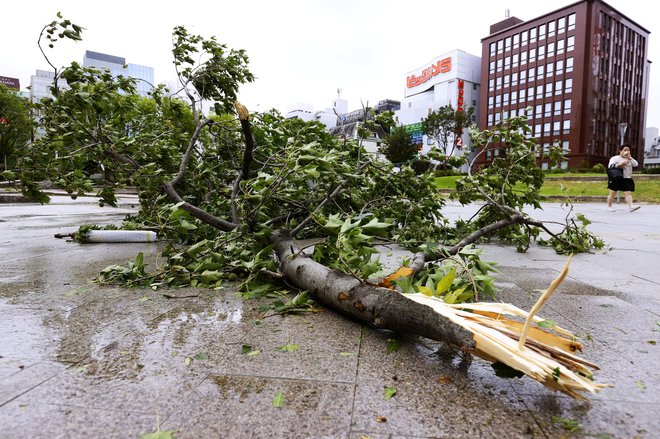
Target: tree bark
[(365, 302)]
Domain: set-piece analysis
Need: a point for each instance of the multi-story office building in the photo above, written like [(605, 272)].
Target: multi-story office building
[(449, 79), (117, 66), (41, 83), (584, 72)]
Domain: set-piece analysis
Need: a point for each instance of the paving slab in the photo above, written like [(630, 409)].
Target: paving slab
[(79, 359)]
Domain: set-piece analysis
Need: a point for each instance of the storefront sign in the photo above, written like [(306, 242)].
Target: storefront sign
[(442, 66), (10, 82)]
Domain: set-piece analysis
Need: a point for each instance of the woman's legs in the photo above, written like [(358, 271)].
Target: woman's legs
[(610, 198), (628, 196)]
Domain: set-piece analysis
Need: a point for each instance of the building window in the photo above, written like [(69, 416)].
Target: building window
[(507, 44), (551, 29), (565, 146), (557, 111), (568, 87), (551, 49), (505, 101), (474, 86), (566, 126), (521, 94), (523, 58), (497, 117), (531, 73), (548, 110), (490, 102), (541, 52), (570, 43), (491, 67), (498, 83), (532, 35), (560, 46), (493, 49), (555, 128), (567, 106), (539, 91), (530, 93), (514, 97), (549, 70), (498, 100), (537, 130), (571, 22), (540, 71), (561, 25), (523, 38), (546, 129), (491, 84), (559, 67), (516, 41), (507, 63), (542, 32), (515, 60), (538, 111), (474, 102), (506, 81), (548, 90), (569, 65), (499, 65), (532, 55), (523, 76), (559, 87), (514, 79), (505, 115), (500, 46)]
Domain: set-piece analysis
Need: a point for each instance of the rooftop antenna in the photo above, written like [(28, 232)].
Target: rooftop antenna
[(338, 93), (507, 13)]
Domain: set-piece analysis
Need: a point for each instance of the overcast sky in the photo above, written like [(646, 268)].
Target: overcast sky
[(299, 50)]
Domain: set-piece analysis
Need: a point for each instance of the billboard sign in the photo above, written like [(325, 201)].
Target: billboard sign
[(10, 82)]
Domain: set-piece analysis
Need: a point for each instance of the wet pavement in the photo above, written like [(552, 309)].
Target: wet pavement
[(79, 360)]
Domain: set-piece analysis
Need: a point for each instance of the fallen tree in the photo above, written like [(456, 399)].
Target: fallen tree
[(232, 191)]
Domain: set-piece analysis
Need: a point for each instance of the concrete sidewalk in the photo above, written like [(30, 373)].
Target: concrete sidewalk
[(79, 360)]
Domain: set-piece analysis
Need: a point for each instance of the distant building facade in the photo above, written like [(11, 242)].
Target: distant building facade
[(41, 83), (118, 67), (652, 149), (450, 79), (584, 72)]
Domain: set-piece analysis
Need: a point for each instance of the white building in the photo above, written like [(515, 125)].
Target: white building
[(652, 148), (40, 84), (143, 75), (450, 79)]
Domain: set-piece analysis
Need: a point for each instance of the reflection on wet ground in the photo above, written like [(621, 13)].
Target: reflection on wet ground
[(83, 360)]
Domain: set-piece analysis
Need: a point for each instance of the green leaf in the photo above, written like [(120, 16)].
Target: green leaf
[(446, 282), (640, 385), (566, 423), (186, 225), (393, 345), (201, 356), (278, 401), (388, 393), (425, 290), (546, 324), (346, 354), (188, 361), (289, 347), (165, 434)]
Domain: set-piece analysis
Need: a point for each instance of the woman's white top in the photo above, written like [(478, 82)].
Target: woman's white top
[(627, 168)]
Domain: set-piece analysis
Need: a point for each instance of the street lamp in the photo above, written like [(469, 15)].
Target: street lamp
[(622, 129)]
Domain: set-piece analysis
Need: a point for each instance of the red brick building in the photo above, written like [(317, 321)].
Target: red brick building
[(583, 70)]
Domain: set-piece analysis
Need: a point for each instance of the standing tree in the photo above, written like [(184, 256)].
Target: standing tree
[(235, 190), (443, 127), (397, 147), (15, 124)]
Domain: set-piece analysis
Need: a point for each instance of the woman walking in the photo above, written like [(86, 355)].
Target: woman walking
[(626, 184)]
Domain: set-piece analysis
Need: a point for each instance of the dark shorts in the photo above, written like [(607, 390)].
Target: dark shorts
[(621, 184)]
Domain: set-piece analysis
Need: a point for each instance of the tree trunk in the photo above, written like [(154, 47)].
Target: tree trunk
[(369, 303)]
